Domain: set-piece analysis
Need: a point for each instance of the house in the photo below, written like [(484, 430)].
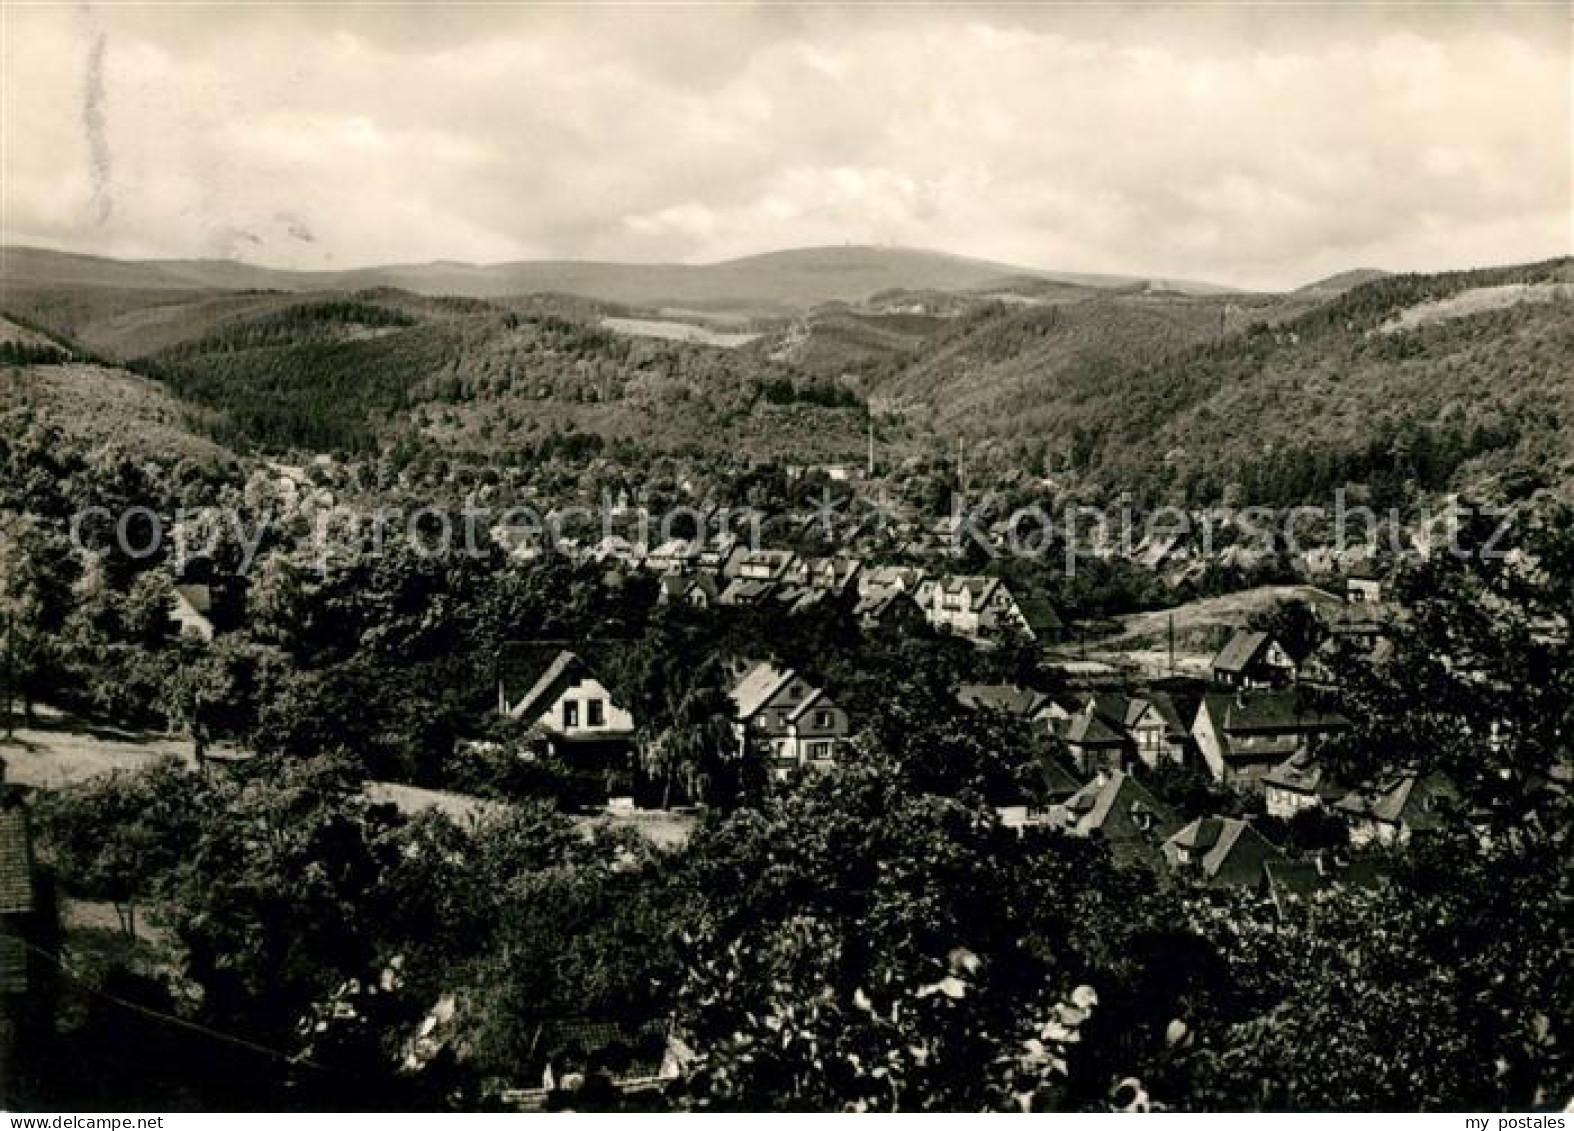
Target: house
[(1301, 879), (610, 549), (29, 944), (799, 724), (881, 579), (1040, 621), (1095, 744), (972, 606), (1299, 782), (1150, 720), (745, 591), (833, 575), (695, 590), (1253, 659), (762, 565), (1361, 589), (1116, 807), (568, 703), (675, 555), (1008, 699), (1393, 809), (717, 552), (1244, 734), (192, 610), (1059, 784), (889, 608), (1186, 580), (18, 895), (522, 542), (1222, 852), (796, 598), (1056, 785)]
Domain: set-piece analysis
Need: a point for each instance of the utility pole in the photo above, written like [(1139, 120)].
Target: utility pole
[(1172, 644), (871, 447)]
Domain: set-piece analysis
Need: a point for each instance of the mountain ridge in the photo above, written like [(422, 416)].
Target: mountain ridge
[(775, 282)]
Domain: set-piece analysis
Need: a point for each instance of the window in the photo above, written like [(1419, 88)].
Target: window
[(595, 715), (571, 712), (819, 751), (822, 720)]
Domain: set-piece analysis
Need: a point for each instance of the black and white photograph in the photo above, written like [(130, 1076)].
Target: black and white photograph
[(680, 557)]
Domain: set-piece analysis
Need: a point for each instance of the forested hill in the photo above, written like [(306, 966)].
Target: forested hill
[(1427, 380), (1404, 382), (352, 372), (1424, 380)]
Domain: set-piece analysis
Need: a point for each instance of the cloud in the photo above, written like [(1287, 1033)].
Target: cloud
[(1255, 145)]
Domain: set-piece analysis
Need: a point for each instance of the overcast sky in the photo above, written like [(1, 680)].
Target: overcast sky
[(1251, 145)]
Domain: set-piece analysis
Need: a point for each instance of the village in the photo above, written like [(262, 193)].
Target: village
[(1137, 696), (1200, 724), (934, 558)]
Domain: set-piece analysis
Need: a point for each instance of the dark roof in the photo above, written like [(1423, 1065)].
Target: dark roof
[(1281, 710), (1005, 697), (16, 862), (199, 597), (677, 585), (1225, 849), (746, 591), (758, 687), (542, 685), (1241, 650), (1088, 729), (1301, 773), (1306, 877), (878, 602), (1059, 782), (1039, 614), (1408, 798), (1104, 795), (1116, 708), (1174, 725), (1295, 877), (816, 699), (976, 587)]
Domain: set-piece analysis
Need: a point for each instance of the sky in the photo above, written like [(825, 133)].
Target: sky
[(1255, 145)]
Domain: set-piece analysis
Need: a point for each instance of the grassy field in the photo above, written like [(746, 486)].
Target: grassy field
[(1141, 644), (53, 751), (677, 332), (56, 751), (1209, 614)]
